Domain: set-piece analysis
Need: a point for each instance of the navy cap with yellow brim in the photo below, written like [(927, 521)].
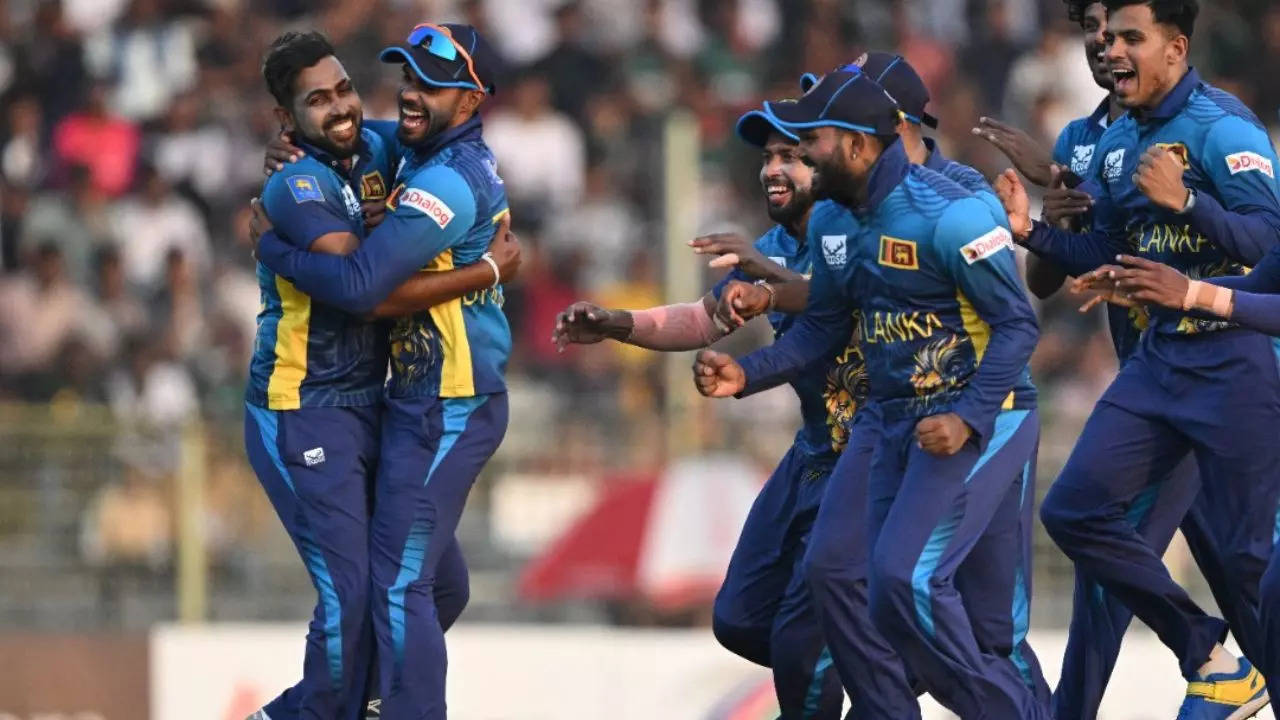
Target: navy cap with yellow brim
[(756, 126), (844, 98)]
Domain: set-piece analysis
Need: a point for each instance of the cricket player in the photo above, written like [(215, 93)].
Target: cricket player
[(946, 331), (312, 405), (1169, 185), (763, 611), (445, 405), (837, 558)]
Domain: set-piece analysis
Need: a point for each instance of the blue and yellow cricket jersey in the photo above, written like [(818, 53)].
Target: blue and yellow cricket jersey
[(1075, 150), (1229, 164), (945, 323), (442, 211), (1077, 142), (831, 391), (308, 354)]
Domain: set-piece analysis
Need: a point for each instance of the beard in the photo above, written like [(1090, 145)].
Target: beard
[(795, 208), (830, 180)]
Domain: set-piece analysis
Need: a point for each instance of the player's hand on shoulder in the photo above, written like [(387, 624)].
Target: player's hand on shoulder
[(731, 250), (582, 323), (718, 375), (1023, 151), (505, 250), (1159, 177), (943, 434), (1017, 204), (739, 302), (259, 223), (280, 151)]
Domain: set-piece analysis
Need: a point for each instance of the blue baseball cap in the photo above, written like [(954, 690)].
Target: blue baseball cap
[(755, 127), (450, 55), (897, 77), (845, 98)]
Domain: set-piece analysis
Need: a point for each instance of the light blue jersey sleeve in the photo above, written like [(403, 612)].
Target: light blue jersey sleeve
[(1241, 164), (978, 254)]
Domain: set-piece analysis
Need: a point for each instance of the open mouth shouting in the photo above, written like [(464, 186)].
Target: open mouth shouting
[(1125, 79), (412, 118)]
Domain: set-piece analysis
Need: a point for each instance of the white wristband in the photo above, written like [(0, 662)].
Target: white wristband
[(497, 275)]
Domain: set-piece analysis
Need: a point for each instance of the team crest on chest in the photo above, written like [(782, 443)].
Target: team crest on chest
[(372, 186), (900, 254), (353, 204), (394, 199), (1179, 149)]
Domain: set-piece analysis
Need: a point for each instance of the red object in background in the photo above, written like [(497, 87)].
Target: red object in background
[(599, 556), (108, 146), (665, 540)]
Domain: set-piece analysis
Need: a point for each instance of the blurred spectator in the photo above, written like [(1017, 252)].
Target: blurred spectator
[(40, 309), (603, 228), (150, 57), (148, 391), (541, 154), (992, 53), (76, 221), (193, 153), (51, 64), (151, 223), (179, 310), (125, 314), (22, 159), (575, 73), (108, 145), (548, 284), (128, 523)]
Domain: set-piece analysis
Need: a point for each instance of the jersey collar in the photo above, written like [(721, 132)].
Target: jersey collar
[(1102, 115), (886, 174), (936, 160), (466, 131), (329, 160), (1173, 102)]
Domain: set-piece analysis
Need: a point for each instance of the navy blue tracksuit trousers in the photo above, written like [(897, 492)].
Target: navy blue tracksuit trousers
[(929, 515), (315, 465), (1214, 396), (763, 611), (432, 451)]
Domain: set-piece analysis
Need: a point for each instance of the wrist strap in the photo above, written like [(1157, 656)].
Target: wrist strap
[(1209, 297), (773, 294), (497, 275)]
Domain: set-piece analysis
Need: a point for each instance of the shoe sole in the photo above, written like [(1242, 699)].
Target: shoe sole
[(1251, 708)]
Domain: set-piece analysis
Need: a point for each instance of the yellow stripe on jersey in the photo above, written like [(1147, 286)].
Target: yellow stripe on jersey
[(284, 386), (501, 213), (978, 330), (456, 376)]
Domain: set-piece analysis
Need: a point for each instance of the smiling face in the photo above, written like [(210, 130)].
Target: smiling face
[(427, 110), (326, 110), (787, 181), (829, 152), (1146, 58), (1094, 25)]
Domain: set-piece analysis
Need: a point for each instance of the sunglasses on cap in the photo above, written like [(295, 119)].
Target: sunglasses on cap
[(440, 42)]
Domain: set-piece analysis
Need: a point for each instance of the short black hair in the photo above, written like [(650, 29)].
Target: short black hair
[(1076, 8), (289, 55), (1178, 13)]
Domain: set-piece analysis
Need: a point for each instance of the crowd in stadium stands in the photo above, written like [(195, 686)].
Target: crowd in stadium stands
[(131, 137)]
